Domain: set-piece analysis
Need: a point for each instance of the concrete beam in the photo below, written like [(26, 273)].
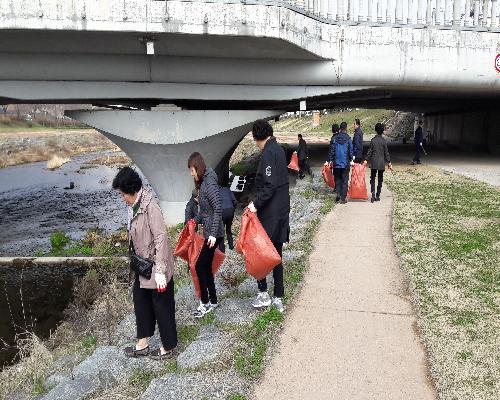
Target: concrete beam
[(160, 142)]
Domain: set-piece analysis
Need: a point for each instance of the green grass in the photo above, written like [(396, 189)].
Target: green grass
[(236, 396), (88, 342), (141, 378), (368, 119), (186, 334), (447, 230)]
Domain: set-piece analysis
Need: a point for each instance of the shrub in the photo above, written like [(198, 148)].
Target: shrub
[(59, 240)]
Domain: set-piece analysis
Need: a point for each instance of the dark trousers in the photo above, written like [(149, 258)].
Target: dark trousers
[(151, 307), (227, 219), (279, 288), (373, 174), (303, 166), (341, 181), (204, 272), (418, 150)]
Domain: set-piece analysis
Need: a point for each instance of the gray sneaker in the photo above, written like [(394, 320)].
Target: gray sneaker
[(262, 300), (278, 303), (202, 310)]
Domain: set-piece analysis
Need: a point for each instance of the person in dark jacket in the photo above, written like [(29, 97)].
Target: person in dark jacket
[(335, 131), (210, 216), (419, 141), (272, 205), (377, 156), (191, 210), (357, 142), (302, 156), (229, 204), (340, 157)]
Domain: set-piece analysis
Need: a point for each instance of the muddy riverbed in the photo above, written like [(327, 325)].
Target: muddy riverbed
[(34, 203)]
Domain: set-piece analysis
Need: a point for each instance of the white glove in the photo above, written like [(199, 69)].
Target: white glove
[(420, 144), (251, 207), (161, 282), (211, 241), (352, 163)]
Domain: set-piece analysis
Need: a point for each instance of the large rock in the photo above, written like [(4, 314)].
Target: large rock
[(209, 346), (195, 386), (75, 389), (235, 311)]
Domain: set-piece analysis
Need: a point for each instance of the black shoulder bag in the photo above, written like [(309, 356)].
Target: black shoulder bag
[(140, 265)]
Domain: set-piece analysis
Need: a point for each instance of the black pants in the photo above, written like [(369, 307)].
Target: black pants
[(151, 307), (303, 167), (341, 181), (373, 174), (204, 272), (227, 219), (418, 149), (279, 288)]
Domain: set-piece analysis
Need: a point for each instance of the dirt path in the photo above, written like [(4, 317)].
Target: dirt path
[(351, 333)]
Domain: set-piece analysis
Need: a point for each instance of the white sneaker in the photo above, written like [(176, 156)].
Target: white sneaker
[(213, 305), (278, 303), (262, 300), (202, 310)]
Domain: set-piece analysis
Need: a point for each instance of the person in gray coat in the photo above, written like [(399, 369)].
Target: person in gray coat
[(377, 156), (210, 216)]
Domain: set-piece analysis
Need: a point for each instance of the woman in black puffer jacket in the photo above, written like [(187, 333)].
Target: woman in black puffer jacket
[(210, 216)]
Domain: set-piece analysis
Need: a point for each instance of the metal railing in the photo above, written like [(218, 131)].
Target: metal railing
[(451, 13)]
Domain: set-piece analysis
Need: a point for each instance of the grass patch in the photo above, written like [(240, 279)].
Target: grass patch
[(186, 334), (141, 378), (447, 230), (236, 396)]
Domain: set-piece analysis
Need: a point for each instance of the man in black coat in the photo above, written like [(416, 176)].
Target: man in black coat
[(419, 141), (272, 205), (378, 156), (302, 155), (357, 142)]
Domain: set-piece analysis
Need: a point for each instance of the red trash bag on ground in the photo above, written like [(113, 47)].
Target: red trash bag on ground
[(259, 252), (357, 186), (294, 162), (189, 248), (328, 176)]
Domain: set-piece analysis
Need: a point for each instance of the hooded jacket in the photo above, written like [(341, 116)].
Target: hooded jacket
[(340, 159), (210, 214), (149, 236)]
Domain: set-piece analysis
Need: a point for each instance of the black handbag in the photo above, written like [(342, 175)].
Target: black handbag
[(139, 265)]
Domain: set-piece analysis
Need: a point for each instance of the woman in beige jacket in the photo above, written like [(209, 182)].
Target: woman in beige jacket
[(153, 298)]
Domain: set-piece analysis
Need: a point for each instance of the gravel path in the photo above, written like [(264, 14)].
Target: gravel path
[(351, 332)]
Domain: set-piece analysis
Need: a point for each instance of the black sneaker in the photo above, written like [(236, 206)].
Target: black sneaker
[(337, 199), (343, 201), (132, 352), (373, 198), (377, 198)]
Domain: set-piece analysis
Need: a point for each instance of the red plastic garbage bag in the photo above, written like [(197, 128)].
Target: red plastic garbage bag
[(259, 252), (357, 186), (189, 248), (294, 162), (328, 176)]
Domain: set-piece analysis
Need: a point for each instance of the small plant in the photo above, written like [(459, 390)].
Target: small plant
[(59, 240), (170, 367), (236, 396), (141, 378), (186, 334), (88, 342), (88, 289)]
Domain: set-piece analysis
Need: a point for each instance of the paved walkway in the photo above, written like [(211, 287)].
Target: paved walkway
[(351, 333)]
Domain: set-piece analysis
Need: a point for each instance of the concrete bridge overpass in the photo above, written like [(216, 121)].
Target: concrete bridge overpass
[(222, 64)]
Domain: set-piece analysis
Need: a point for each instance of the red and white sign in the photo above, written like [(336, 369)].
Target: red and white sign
[(497, 63)]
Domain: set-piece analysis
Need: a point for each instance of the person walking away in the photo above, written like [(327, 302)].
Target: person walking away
[(153, 298), (229, 203), (340, 156), (302, 156), (419, 141), (210, 216), (335, 131), (272, 205), (377, 156), (191, 210), (357, 142)]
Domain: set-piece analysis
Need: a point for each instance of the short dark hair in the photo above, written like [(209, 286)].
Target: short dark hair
[(335, 128), (379, 128), (300, 135), (357, 121), (261, 129), (196, 160), (420, 122), (127, 181), (343, 126)]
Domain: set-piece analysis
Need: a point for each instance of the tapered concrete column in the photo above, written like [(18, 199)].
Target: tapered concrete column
[(331, 7), (350, 8), (399, 11), (437, 19), (494, 13), (389, 11), (476, 13), (409, 19), (468, 20), (324, 8), (448, 12), (369, 16), (484, 13), (456, 12), (160, 142), (379, 11), (361, 16), (310, 6)]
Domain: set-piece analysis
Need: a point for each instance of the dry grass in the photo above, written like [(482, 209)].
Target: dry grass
[(57, 162), (110, 160), (447, 230)]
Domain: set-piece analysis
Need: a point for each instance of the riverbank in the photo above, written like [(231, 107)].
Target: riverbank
[(19, 146), (220, 356)]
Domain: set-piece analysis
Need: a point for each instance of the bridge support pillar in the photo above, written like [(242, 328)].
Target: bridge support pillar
[(160, 142)]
